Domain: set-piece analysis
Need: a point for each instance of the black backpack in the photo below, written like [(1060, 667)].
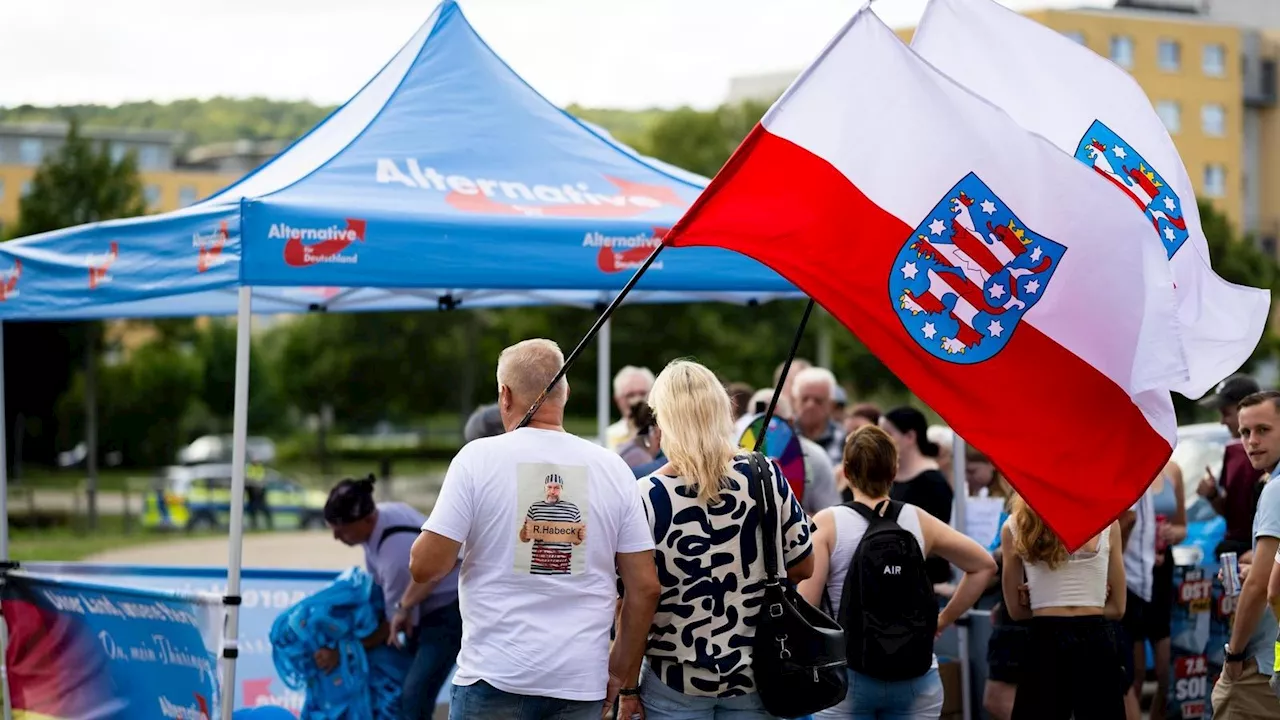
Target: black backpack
[(887, 607)]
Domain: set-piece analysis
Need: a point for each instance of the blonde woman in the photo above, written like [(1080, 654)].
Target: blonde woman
[(1073, 661), (707, 536)]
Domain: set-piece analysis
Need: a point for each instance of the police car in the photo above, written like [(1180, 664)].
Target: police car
[(198, 497)]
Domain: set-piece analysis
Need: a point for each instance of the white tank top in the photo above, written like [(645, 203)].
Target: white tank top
[(1080, 582), (849, 529)]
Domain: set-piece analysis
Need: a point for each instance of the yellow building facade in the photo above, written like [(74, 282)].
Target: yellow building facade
[(164, 190)]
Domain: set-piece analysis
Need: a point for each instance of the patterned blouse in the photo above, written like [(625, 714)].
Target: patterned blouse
[(712, 578)]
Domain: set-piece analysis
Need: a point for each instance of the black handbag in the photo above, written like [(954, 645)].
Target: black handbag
[(798, 657)]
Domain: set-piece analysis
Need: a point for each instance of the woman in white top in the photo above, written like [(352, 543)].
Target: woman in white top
[(1073, 662), (871, 464)]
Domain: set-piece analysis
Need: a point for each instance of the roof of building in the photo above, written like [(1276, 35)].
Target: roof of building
[(59, 130)]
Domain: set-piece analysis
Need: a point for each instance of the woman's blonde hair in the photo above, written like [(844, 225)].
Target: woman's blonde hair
[(696, 419), (1033, 541)]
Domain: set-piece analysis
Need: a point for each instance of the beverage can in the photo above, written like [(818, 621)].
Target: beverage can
[(1230, 567)]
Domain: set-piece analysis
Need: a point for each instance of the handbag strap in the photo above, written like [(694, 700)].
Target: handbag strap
[(768, 513)]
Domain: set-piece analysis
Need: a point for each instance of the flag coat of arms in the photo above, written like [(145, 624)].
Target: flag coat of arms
[(1019, 298), (1095, 111)]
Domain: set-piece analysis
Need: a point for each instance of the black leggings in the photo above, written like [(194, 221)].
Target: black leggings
[(1073, 665)]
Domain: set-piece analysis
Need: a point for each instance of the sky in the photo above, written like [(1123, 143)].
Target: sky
[(599, 53)]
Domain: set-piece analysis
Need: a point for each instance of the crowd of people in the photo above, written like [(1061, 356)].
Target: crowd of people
[(569, 580)]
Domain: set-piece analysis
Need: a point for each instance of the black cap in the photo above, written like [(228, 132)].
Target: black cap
[(1231, 391), (485, 421)]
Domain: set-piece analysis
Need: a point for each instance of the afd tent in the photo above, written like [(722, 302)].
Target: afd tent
[(445, 179)]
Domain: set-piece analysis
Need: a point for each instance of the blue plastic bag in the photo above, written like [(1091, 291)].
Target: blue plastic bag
[(365, 685)]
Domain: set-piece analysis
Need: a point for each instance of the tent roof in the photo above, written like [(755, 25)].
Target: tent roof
[(445, 171)]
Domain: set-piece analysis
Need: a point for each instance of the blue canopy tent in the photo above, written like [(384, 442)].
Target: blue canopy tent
[(445, 182)]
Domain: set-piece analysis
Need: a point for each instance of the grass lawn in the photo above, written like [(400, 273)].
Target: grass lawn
[(68, 544)]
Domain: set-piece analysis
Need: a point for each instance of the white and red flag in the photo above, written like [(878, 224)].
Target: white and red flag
[(1021, 299), (1095, 111)]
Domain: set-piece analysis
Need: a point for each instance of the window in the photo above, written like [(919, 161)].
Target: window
[(150, 157), (1215, 180), (1169, 55), (1075, 35), (118, 151), (1214, 62), (26, 188), (1213, 120), (30, 151), (1170, 114), (1122, 50), (1, 188), (186, 195), (153, 195)]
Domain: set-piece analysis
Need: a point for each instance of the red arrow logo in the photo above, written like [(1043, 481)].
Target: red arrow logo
[(9, 287), (298, 254), (211, 252), (98, 272)]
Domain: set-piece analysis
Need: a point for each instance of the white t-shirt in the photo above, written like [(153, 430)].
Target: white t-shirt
[(541, 515)]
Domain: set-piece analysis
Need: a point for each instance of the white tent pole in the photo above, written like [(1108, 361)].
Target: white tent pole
[(240, 431), (960, 487), (4, 469), (604, 342)]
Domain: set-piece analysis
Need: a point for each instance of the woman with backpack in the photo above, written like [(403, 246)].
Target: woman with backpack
[(869, 567), (1073, 661), (706, 532)]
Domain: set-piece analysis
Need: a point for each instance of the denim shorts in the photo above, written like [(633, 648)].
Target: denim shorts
[(868, 698)]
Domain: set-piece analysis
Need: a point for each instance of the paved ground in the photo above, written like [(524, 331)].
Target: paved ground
[(315, 550)]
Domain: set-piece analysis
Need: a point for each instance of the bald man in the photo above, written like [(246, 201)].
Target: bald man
[(547, 522)]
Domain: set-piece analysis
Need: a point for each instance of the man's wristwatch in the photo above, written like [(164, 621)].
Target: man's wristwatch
[(1230, 656), (629, 691)]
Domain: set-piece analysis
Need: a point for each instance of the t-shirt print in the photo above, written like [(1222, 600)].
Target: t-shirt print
[(552, 530)]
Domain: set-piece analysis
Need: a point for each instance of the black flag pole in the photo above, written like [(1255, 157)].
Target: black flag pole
[(782, 379), (591, 334)]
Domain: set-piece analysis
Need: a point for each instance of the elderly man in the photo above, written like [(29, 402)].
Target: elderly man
[(630, 386), (547, 522), (812, 397), (820, 489)]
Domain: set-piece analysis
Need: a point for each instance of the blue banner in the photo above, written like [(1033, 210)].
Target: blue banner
[(91, 651), (264, 594)]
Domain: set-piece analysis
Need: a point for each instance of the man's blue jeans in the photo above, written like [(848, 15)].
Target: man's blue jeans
[(438, 638), (482, 701)]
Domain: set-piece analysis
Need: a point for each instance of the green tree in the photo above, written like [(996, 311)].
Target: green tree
[(79, 183), (143, 403), (701, 141), (1238, 260)]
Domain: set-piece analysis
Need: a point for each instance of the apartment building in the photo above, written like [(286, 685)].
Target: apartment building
[(167, 182)]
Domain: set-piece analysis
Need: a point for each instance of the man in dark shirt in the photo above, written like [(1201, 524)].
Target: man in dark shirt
[(1233, 494)]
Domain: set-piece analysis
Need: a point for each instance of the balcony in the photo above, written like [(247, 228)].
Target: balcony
[(1260, 83)]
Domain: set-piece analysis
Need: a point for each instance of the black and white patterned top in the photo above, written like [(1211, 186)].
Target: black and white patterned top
[(712, 578)]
